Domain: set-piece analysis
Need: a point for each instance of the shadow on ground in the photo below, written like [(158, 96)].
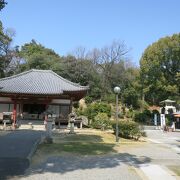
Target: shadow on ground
[(10, 167), (77, 157), (83, 152), (14, 151), (67, 164)]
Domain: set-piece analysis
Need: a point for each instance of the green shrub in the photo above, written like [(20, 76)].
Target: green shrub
[(93, 109), (142, 104), (76, 105), (120, 115), (101, 121), (129, 114), (88, 99), (110, 98), (128, 129), (168, 119), (130, 97), (123, 110), (79, 111), (143, 117)]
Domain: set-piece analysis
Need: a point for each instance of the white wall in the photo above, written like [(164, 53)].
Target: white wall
[(8, 107), (169, 107)]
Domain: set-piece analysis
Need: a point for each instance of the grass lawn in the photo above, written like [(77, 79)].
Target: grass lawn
[(78, 148), (83, 143)]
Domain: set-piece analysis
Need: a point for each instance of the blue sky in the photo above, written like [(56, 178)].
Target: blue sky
[(63, 25)]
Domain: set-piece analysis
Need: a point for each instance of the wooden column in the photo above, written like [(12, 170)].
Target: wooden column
[(21, 110), (14, 113), (46, 116), (71, 104)]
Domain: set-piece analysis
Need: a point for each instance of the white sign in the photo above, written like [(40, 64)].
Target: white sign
[(163, 121), (155, 119)]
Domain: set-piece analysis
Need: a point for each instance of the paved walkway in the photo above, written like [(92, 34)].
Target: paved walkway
[(108, 167), (168, 139), (165, 152), (156, 172), (15, 151), (148, 161)]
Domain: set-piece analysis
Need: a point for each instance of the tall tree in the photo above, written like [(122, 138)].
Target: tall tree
[(2, 4), (101, 69), (160, 68), (6, 52), (81, 71), (36, 56), (106, 61), (131, 87)]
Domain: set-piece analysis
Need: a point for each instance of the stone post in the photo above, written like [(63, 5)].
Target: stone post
[(49, 130), (81, 125), (71, 126), (72, 117), (163, 121)]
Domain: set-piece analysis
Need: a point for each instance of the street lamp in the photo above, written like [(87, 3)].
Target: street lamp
[(117, 91)]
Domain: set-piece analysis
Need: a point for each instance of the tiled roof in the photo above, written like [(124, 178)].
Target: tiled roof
[(38, 82)]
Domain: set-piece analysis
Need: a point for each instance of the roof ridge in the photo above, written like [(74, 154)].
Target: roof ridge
[(41, 82), (75, 84), (41, 70), (22, 73), (16, 75)]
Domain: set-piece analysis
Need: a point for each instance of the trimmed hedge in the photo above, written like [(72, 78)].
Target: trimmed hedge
[(128, 129)]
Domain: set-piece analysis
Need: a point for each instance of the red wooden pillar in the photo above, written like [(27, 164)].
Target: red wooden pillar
[(14, 113)]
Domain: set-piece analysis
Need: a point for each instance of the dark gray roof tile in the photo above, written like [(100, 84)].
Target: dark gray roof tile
[(38, 82)]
